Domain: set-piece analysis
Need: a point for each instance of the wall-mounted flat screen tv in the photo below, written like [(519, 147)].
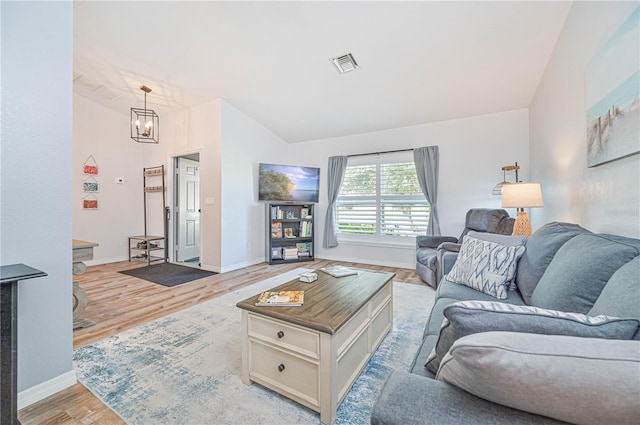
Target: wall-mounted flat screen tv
[(288, 183)]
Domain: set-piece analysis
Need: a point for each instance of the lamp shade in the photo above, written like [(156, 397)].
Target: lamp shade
[(522, 195)]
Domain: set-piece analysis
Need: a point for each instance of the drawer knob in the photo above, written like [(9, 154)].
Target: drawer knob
[(280, 367), (280, 334)]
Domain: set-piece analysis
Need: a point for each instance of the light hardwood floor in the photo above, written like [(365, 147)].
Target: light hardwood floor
[(118, 302)]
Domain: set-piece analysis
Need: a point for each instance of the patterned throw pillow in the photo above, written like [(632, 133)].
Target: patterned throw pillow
[(486, 266)]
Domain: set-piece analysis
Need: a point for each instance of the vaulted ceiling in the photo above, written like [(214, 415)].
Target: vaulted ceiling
[(420, 61)]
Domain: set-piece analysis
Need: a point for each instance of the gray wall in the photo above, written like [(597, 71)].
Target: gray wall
[(35, 179)]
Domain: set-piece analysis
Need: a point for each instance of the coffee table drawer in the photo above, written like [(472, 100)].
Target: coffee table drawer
[(288, 337), (287, 372), (381, 297)]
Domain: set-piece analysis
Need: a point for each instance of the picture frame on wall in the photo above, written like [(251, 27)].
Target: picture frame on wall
[(612, 93)]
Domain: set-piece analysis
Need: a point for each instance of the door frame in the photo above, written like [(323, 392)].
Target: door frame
[(174, 198)]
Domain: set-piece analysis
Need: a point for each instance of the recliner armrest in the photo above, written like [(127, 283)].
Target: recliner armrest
[(433, 241), (450, 247)]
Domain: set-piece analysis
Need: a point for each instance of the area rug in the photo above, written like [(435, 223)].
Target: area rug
[(185, 368), (168, 274)]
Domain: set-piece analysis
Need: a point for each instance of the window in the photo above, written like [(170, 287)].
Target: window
[(382, 198)]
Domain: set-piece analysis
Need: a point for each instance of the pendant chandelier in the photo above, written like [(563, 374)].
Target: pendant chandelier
[(145, 124)]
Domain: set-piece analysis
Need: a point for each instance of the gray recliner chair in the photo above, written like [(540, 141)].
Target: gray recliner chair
[(430, 248)]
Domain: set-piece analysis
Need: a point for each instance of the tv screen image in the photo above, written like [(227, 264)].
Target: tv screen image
[(288, 183)]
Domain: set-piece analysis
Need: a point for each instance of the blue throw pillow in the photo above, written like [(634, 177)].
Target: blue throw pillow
[(470, 317)]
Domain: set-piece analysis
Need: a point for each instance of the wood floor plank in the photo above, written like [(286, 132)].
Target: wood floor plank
[(118, 302)]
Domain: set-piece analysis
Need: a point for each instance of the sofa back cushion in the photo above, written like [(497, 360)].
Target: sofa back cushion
[(541, 247), (581, 269), (621, 294)]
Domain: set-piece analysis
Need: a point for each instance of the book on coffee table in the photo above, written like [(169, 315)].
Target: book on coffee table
[(338, 271), (281, 298)]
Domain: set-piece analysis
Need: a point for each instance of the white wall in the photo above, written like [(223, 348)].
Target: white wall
[(203, 134), (472, 153), (36, 186), (104, 134), (602, 199), (245, 143)]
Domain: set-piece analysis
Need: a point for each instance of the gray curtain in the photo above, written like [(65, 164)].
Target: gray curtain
[(427, 159), (337, 167)]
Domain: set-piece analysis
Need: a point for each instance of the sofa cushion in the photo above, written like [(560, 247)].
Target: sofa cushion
[(541, 247), (579, 380), (506, 240), (448, 289), (434, 323), (485, 266), (407, 399), (621, 294), (469, 317), (417, 366), (580, 270)]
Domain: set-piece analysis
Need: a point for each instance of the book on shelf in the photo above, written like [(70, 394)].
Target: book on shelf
[(305, 229), (304, 212), (304, 249), (338, 271), (281, 298), (289, 253), (276, 229), (288, 232), (276, 253)]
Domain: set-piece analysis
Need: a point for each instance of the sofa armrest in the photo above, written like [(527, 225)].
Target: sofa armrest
[(408, 399), (446, 259), (433, 241)]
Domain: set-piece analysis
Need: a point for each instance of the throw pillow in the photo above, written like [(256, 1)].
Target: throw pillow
[(485, 266), (577, 380), (469, 317), (506, 240), (580, 270)]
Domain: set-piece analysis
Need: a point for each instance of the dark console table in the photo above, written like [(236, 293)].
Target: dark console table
[(9, 277)]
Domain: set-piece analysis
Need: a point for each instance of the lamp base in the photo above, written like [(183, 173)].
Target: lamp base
[(522, 226)]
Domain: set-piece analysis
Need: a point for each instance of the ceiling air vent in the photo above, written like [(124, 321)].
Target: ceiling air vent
[(345, 63)]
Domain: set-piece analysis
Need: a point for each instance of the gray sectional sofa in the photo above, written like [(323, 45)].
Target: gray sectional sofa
[(520, 360)]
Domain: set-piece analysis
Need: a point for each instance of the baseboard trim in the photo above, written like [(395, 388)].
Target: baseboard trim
[(90, 263), (242, 265), (45, 389)]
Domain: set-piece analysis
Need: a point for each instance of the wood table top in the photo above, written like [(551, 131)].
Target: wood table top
[(78, 244), (329, 302)]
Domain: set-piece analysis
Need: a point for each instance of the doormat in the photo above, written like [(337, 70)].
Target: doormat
[(168, 274)]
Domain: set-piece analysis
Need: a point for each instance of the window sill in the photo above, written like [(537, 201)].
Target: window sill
[(407, 243)]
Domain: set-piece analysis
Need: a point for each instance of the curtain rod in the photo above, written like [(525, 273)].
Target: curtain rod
[(378, 153)]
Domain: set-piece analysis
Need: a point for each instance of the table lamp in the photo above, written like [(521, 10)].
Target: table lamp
[(521, 196)]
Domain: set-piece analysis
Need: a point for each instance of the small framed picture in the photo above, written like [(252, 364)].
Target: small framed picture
[(288, 232)]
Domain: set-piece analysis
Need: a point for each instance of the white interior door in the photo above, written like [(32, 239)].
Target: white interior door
[(188, 231)]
